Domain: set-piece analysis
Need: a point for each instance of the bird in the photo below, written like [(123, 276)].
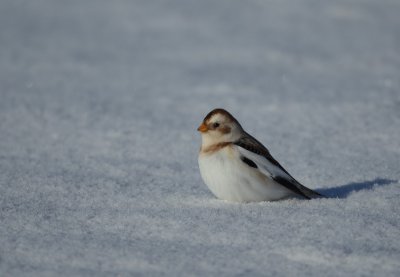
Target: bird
[(238, 168)]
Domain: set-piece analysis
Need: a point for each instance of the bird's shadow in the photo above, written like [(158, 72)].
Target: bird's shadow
[(345, 190)]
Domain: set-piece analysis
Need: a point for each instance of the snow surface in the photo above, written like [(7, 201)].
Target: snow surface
[(100, 101)]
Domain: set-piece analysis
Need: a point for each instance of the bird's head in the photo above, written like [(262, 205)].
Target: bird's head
[(219, 126)]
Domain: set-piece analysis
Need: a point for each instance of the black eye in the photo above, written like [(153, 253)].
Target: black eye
[(215, 125)]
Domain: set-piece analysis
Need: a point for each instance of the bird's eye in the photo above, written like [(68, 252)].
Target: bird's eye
[(216, 125)]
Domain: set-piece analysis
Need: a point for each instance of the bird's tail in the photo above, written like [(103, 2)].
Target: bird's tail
[(309, 193)]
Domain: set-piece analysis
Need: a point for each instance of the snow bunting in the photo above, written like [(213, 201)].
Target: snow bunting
[(236, 167)]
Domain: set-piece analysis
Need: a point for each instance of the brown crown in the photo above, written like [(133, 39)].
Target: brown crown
[(220, 111)]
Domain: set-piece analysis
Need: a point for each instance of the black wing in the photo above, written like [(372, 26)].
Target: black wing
[(251, 144)]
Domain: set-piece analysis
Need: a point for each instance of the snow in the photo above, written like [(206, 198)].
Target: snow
[(99, 105)]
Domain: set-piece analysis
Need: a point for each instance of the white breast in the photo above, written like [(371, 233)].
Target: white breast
[(231, 179)]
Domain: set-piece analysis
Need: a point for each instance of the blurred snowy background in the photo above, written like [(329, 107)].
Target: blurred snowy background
[(99, 105)]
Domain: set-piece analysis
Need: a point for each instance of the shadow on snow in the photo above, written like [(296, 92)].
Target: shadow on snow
[(345, 190)]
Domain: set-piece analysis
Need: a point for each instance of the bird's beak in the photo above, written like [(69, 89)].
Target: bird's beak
[(202, 128)]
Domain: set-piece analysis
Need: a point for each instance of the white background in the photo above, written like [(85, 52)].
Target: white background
[(99, 105)]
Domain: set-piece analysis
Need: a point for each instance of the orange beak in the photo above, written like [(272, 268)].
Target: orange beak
[(202, 128)]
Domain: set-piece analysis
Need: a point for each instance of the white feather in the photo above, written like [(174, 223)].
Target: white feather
[(229, 178), (264, 165)]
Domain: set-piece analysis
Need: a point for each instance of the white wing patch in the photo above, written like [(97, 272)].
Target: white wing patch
[(263, 164), (276, 173)]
